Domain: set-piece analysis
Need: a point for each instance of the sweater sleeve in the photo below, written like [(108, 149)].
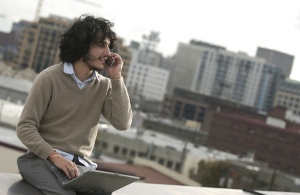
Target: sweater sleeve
[(117, 107), (33, 111)]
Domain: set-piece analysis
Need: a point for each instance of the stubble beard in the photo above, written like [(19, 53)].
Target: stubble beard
[(88, 59)]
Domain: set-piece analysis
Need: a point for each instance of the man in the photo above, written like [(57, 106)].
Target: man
[(60, 118)]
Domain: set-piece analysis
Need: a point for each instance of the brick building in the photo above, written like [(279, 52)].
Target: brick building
[(184, 104), (272, 138)]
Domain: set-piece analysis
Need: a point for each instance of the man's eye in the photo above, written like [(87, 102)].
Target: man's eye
[(100, 44)]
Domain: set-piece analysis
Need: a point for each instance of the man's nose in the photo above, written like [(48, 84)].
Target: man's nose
[(107, 51)]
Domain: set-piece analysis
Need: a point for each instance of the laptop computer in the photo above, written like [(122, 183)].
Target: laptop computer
[(91, 180)]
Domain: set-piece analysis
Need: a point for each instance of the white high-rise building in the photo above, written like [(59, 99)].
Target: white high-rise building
[(145, 80), (214, 71)]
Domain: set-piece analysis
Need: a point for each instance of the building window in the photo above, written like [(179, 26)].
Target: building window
[(124, 151), (132, 153), (169, 164), (161, 161), (177, 167), (116, 149), (104, 145), (141, 154), (153, 158)]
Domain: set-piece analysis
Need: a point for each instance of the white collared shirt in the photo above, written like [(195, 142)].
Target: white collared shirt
[(71, 156), (68, 69)]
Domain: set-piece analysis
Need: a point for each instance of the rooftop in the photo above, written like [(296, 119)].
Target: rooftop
[(15, 84), (162, 140), (147, 174), (9, 136)]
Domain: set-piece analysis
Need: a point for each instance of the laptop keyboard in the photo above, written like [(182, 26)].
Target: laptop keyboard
[(90, 191), (61, 176)]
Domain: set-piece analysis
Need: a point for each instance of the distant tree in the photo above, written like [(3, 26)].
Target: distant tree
[(209, 173)]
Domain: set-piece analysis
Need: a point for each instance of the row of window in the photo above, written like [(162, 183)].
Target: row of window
[(288, 98), (293, 107), (125, 152)]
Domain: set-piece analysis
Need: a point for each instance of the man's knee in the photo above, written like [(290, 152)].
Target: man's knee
[(34, 171)]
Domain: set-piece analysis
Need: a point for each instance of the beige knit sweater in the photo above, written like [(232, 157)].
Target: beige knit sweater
[(58, 115)]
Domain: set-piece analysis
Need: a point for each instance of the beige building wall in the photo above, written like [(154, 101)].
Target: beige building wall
[(125, 148), (26, 46), (39, 45)]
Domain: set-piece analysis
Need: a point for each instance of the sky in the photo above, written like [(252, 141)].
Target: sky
[(238, 25)]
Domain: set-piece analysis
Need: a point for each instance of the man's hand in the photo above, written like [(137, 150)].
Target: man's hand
[(69, 167), (114, 71)]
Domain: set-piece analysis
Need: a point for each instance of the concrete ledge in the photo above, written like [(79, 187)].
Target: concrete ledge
[(12, 184)]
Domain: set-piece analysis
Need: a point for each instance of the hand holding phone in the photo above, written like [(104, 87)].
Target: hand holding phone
[(109, 61), (113, 65)]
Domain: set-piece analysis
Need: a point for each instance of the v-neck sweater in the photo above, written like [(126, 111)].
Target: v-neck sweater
[(57, 114)]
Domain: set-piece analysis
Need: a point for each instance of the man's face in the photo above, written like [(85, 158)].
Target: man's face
[(95, 58)]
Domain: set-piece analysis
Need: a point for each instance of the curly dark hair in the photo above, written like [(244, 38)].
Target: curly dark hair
[(86, 31)]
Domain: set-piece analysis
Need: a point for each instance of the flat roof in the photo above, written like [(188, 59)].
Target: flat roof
[(9, 136), (15, 84), (163, 140)]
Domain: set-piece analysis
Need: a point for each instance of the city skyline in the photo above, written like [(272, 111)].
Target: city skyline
[(236, 25)]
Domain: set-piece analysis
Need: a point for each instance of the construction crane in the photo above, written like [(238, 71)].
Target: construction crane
[(38, 10), (40, 5)]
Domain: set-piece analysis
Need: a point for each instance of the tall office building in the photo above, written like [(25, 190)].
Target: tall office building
[(168, 63), (213, 71), (146, 80), (269, 83), (282, 60), (9, 41), (39, 46)]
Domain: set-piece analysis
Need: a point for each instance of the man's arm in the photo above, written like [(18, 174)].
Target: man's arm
[(27, 128), (117, 107), (34, 108)]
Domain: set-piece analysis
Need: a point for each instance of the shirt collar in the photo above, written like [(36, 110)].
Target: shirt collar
[(68, 69)]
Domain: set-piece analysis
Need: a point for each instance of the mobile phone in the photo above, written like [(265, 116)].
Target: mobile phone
[(109, 61)]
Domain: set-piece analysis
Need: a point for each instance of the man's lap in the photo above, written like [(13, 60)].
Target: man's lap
[(34, 171)]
